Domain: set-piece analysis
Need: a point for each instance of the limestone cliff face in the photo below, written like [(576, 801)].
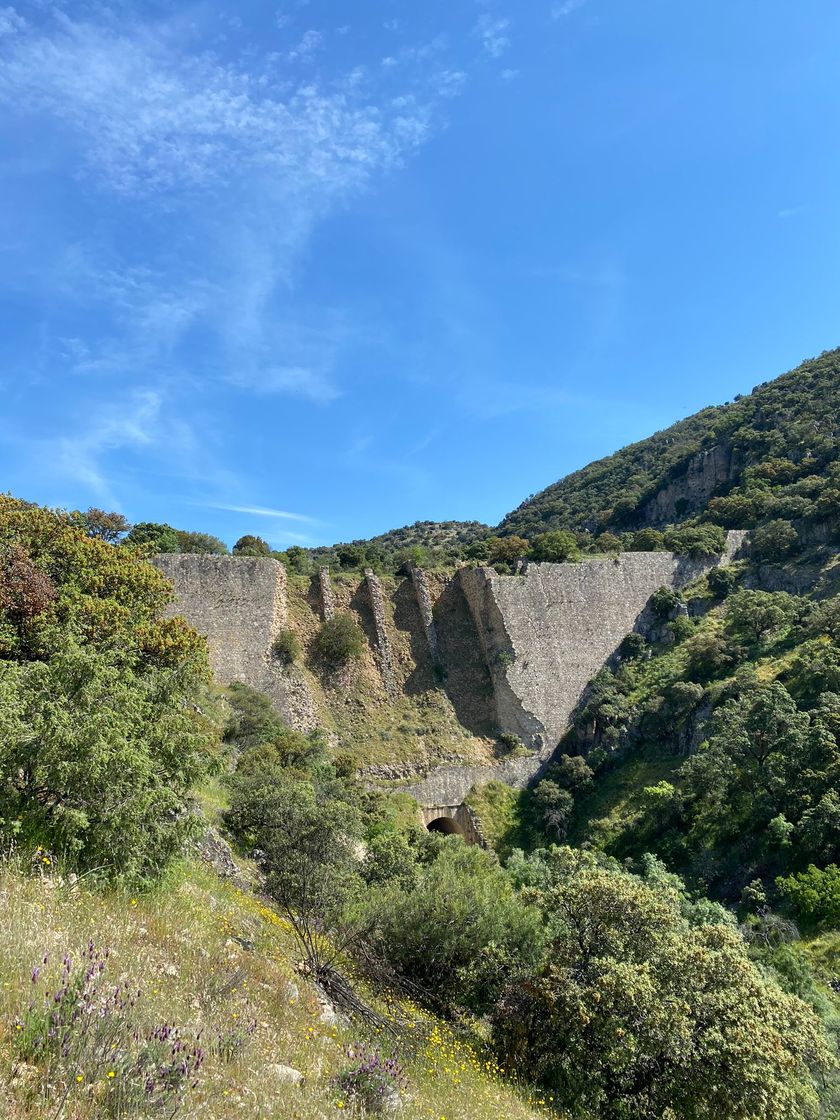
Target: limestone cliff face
[(240, 604), (704, 476)]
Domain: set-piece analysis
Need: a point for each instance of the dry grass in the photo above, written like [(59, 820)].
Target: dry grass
[(178, 946)]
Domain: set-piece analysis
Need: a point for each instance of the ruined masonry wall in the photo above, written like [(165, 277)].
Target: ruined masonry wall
[(327, 594), (424, 602), (239, 603), (380, 622)]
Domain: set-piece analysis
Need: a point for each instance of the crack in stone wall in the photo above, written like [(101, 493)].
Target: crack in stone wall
[(380, 622)]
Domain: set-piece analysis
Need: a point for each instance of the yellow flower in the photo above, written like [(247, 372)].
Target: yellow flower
[(79, 1077), (111, 1073)]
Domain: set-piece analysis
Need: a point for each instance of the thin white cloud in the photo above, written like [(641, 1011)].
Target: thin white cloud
[(294, 381), (309, 43), (154, 118), (566, 7), (262, 511), (493, 32), (11, 22)]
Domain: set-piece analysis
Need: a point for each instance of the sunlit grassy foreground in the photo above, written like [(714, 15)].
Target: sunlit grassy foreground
[(177, 947)]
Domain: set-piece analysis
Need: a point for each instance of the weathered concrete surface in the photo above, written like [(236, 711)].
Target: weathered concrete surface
[(547, 632), (542, 634), (449, 785), (239, 604)]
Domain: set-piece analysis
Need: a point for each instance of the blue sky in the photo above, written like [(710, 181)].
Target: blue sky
[(317, 269)]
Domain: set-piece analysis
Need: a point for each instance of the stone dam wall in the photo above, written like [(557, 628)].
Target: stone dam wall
[(541, 635), (548, 631), (240, 604)]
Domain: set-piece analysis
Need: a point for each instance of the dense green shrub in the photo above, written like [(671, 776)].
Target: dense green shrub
[(757, 615), (506, 550), (340, 639), (648, 540), (555, 547), (632, 646), (774, 541), (814, 896), (665, 601), (308, 839), (639, 1011), (721, 581), (114, 695), (252, 720), (696, 540), (459, 931), (286, 647), (249, 545), (202, 543)]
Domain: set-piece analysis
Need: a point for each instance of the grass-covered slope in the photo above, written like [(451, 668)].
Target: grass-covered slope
[(777, 456), (217, 965)]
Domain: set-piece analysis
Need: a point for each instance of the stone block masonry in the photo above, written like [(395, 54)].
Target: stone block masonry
[(327, 594), (547, 632), (239, 603), (380, 622), (424, 602)]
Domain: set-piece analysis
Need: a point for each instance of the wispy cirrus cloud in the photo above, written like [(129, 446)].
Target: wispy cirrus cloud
[(264, 511), (153, 115)]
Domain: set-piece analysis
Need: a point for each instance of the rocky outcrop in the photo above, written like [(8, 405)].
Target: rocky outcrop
[(705, 475)]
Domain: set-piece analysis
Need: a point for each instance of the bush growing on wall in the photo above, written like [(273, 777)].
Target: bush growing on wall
[(340, 639), (286, 647)]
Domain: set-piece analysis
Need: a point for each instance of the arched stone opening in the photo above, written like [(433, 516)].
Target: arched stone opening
[(446, 825)]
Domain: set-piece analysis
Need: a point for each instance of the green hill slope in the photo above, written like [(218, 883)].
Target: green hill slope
[(772, 454)]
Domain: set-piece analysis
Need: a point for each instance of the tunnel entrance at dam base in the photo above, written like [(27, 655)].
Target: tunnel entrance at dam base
[(452, 820), (446, 825)]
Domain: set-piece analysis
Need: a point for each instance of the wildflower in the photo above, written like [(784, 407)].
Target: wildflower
[(111, 1073), (79, 1078)]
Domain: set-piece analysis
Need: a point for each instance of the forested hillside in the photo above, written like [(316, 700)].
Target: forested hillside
[(777, 457)]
